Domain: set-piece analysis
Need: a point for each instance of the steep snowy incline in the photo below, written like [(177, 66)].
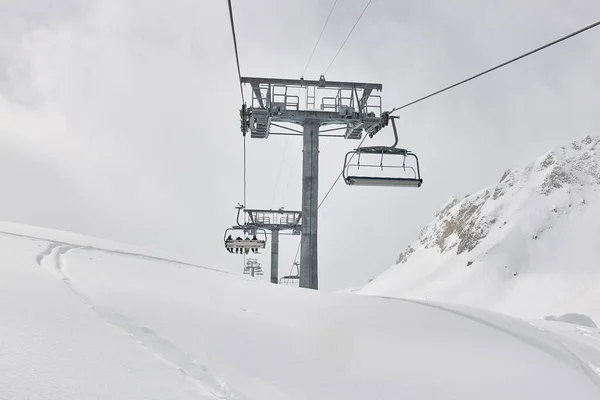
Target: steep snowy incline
[(527, 246), (92, 323)]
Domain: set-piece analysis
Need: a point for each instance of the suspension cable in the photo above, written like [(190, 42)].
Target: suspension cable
[(498, 66), (235, 46), (302, 76), (245, 204), (237, 60), (323, 200), (347, 37), (464, 81), (340, 175), (319, 39), (296, 259)]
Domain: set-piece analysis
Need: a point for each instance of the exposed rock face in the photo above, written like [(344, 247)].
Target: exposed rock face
[(527, 246), (461, 224)]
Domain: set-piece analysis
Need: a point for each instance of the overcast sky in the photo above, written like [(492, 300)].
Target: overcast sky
[(119, 118)]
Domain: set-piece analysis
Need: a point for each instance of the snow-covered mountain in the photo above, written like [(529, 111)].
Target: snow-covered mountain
[(83, 318), (527, 246)]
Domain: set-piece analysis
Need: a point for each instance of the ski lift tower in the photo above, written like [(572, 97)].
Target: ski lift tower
[(349, 105), (253, 268), (276, 221)]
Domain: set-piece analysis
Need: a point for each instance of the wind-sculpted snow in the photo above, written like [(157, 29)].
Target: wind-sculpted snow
[(531, 238)]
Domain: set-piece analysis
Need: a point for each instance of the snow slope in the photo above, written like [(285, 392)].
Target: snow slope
[(81, 322), (527, 246)]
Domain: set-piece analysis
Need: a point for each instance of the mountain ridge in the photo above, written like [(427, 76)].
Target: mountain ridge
[(538, 219)]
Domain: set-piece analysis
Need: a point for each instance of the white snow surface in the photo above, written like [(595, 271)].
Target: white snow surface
[(528, 246), (83, 318)]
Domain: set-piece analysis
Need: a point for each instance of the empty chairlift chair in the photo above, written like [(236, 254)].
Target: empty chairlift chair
[(293, 279), (393, 174), (290, 280)]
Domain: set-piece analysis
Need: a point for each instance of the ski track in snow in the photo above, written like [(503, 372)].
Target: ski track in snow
[(52, 259), (594, 368), (590, 370), (588, 367), (57, 243), (47, 252)]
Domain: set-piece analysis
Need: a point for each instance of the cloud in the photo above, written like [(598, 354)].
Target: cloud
[(130, 107)]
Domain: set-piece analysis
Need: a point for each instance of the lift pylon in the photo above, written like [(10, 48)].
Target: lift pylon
[(253, 268), (351, 106)]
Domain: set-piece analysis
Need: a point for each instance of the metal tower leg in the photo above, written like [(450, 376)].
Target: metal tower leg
[(309, 277), (274, 255)]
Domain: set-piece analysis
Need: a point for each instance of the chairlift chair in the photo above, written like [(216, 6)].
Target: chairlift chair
[(385, 153), (289, 280), (292, 279), (243, 243)]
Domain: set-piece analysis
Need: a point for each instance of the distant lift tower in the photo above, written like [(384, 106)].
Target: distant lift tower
[(258, 222), (350, 105), (275, 221), (253, 268)]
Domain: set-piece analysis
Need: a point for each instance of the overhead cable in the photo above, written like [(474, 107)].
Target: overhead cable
[(347, 37), (235, 46), (498, 66), (319, 39), (237, 59)]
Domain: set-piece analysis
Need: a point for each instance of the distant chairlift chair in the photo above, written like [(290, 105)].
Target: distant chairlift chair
[(413, 181), (244, 244), (292, 279)]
